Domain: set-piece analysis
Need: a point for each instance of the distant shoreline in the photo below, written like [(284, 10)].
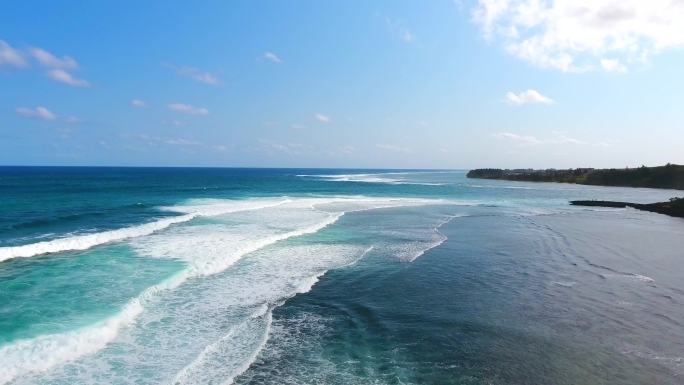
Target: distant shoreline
[(670, 176), (673, 208)]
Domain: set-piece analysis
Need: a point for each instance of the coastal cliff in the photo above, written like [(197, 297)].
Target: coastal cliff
[(670, 176)]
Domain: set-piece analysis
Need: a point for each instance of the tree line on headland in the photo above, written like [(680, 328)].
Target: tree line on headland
[(670, 176)]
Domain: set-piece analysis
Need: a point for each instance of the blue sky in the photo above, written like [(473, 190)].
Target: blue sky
[(342, 83)]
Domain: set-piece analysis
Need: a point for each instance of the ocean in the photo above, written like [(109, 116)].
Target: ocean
[(329, 276)]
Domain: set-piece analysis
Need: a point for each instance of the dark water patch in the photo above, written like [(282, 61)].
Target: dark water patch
[(478, 309)]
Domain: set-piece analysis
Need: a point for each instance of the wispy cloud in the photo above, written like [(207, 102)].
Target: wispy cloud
[(11, 56), (613, 65), (580, 36), (523, 139), (400, 30), (59, 68), (393, 148), (557, 138), (182, 142), (323, 118), (188, 109), (270, 56), (64, 132), (527, 97), (185, 143), (37, 113), (137, 103), (344, 150), (195, 74), (175, 122), (286, 148), (62, 76), (47, 59)]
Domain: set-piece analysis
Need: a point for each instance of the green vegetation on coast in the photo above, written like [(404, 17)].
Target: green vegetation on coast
[(670, 176)]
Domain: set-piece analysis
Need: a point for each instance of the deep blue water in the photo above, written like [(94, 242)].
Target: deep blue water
[(313, 276)]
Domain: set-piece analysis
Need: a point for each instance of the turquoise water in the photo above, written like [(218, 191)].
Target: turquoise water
[(258, 276)]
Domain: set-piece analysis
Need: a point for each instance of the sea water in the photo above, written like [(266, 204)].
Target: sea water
[(309, 276)]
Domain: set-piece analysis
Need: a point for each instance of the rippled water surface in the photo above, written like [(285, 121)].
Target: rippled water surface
[(257, 276)]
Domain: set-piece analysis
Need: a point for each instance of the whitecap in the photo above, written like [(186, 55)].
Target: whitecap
[(210, 249), (86, 241)]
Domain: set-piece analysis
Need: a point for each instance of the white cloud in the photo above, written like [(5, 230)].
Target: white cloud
[(195, 74), (11, 56), (47, 59), (38, 113), (272, 57), (175, 122), (344, 150), (137, 103), (401, 31), (221, 147), (558, 138), (58, 67), (517, 138), (287, 148), (583, 35), (182, 142), (64, 132), (188, 109), (60, 75), (322, 118), (392, 147), (613, 65), (527, 97)]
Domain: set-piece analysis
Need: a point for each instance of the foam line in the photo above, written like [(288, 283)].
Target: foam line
[(193, 372), (83, 242), (371, 178), (442, 238), (41, 353), (210, 269), (86, 241)]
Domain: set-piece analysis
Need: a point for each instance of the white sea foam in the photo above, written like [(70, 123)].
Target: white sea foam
[(206, 251), (231, 355), (428, 239), (235, 352), (502, 187), (371, 178), (215, 207), (204, 247), (210, 249), (643, 278), (46, 351), (86, 241), (632, 276)]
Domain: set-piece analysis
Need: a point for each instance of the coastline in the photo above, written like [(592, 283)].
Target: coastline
[(674, 207), (670, 176)]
